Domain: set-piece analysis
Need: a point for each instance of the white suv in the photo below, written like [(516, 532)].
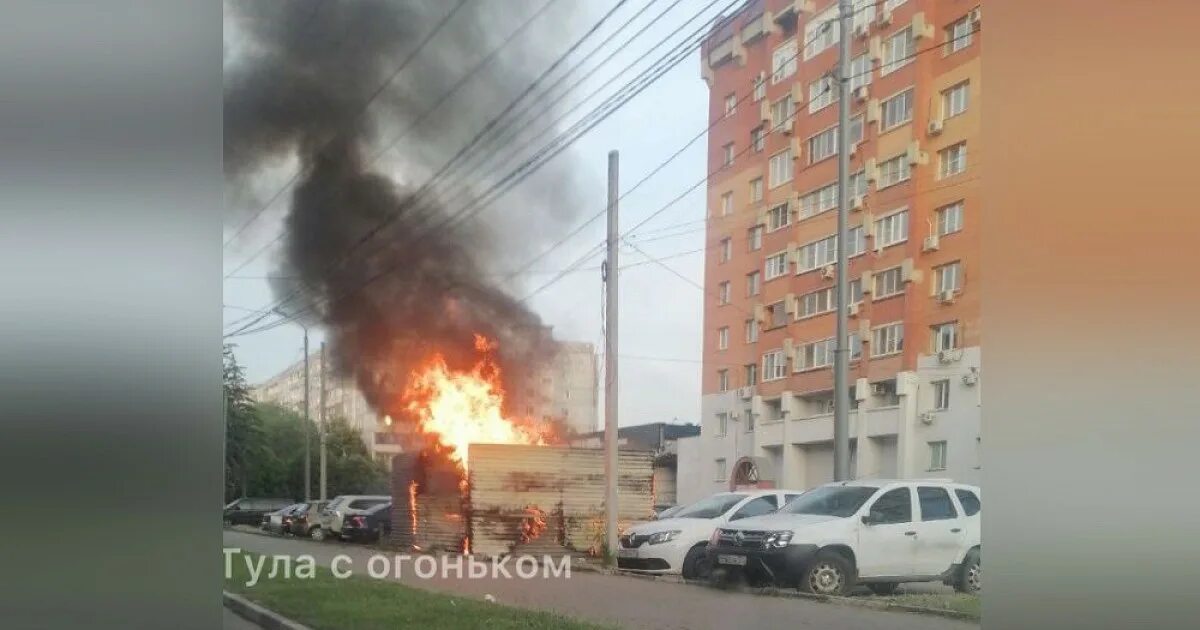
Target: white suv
[(676, 544), (330, 520), (874, 532)]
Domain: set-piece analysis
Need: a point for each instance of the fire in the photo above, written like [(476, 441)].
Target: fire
[(533, 524), (464, 407)]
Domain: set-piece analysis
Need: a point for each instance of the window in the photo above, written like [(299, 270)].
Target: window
[(822, 145), (778, 217), (783, 61), (820, 200), (891, 229), (941, 395), (858, 184), (756, 190), (959, 35), (723, 338), (753, 283), (893, 171), (945, 336), (894, 506), (751, 374), (935, 502), (954, 100), (720, 468), (726, 204), (782, 112), (776, 265), (726, 249), (723, 293), (756, 507), (889, 5), (777, 314), (897, 110), (818, 254), (780, 168), (749, 421), (888, 282), (855, 290), (968, 500), (730, 104), (758, 139), (722, 425), (947, 277), (727, 154), (855, 342), (949, 218), (760, 89), (860, 70), (937, 461), (774, 365), (821, 94), (751, 330), (856, 129), (815, 355), (821, 33), (897, 51), (887, 340), (817, 302), (953, 159), (755, 238), (722, 380)]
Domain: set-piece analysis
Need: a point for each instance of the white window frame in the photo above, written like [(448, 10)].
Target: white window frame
[(899, 166), (821, 33), (821, 94), (898, 51), (855, 296), (818, 200), (782, 112), (945, 336), (855, 343), (956, 99), (727, 203), (858, 242), (756, 190), (774, 365), (882, 277), (777, 307), (723, 338), (723, 380), (751, 330), (721, 470), (816, 303), (949, 216), (775, 266), (937, 455), (903, 97), (753, 283), (827, 140), (959, 35), (948, 277), (723, 293), (784, 61), (952, 160), (941, 394), (861, 70), (817, 254), (758, 139), (887, 340), (750, 373), (730, 104), (759, 88), (726, 249), (815, 355), (891, 229), (779, 216), (722, 426), (780, 169), (727, 154), (756, 237)]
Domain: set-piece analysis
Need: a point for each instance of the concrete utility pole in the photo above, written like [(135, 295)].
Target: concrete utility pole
[(307, 422), (841, 356), (610, 367), (321, 415)]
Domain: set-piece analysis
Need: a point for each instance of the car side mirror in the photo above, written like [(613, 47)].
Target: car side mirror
[(871, 518)]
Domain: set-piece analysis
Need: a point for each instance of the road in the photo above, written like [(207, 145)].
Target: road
[(622, 600), (230, 621)]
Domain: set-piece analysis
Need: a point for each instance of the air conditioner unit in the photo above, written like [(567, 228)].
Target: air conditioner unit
[(970, 378), (828, 272), (861, 93), (885, 17), (931, 243), (935, 127), (949, 356), (927, 417), (856, 203), (745, 393), (853, 309), (946, 297)]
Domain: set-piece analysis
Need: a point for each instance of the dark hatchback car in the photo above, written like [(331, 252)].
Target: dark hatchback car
[(370, 526), (248, 511), (302, 519)]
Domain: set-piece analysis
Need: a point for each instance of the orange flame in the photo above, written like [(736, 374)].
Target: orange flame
[(533, 524), (464, 407)]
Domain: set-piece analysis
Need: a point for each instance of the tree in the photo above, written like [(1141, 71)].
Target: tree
[(349, 466), (243, 428)]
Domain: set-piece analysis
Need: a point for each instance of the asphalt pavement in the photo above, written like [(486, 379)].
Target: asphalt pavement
[(623, 600)]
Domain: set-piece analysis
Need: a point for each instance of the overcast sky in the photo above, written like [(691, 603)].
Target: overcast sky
[(660, 314)]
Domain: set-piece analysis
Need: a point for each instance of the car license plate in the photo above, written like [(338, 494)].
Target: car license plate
[(627, 553), (736, 560)]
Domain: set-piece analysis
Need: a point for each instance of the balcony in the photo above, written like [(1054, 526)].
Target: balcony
[(818, 428), (722, 52)]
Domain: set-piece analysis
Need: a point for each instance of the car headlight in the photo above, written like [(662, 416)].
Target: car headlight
[(777, 539), (662, 537)]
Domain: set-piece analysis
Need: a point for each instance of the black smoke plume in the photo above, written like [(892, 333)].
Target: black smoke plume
[(297, 77)]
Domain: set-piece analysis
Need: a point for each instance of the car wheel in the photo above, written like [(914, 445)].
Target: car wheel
[(970, 572), (883, 588), (317, 534), (828, 574), (696, 565)]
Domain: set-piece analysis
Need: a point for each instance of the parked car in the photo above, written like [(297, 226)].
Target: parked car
[(273, 522), (330, 522), (667, 512), (677, 544), (249, 511), (878, 533), (369, 526), (303, 518)]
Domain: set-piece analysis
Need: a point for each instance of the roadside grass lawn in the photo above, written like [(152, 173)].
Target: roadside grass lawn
[(328, 603), (957, 602)]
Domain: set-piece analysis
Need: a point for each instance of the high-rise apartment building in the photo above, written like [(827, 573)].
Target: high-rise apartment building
[(914, 266)]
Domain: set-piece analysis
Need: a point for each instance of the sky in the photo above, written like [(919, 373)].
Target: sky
[(661, 315)]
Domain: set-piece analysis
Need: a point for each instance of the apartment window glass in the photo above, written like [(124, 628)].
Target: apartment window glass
[(858, 184), (948, 277), (858, 241), (892, 229), (953, 159), (720, 467), (941, 395), (821, 33), (821, 93), (777, 314), (959, 35), (781, 112), (778, 217), (760, 89), (751, 330), (949, 218), (727, 154), (726, 204), (887, 340), (954, 100), (776, 265), (817, 302), (723, 293), (822, 145), (723, 338), (856, 129), (815, 355), (753, 284), (818, 253), (855, 343), (751, 374), (860, 71), (893, 171), (755, 237), (898, 109), (937, 460), (726, 249), (945, 336), (783, 61), (820, 200), (722, 426), (888, 282), (730, 104), (756, 190), (722, 380), (897, 51), (758, 139), (855, 291), (774, 365), (780, 168)]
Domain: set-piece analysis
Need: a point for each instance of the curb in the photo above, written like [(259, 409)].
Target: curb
[(264, 618), (863, 603)]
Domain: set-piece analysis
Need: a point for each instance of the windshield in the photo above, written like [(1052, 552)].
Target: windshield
[(840, 501), (712, 507)]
